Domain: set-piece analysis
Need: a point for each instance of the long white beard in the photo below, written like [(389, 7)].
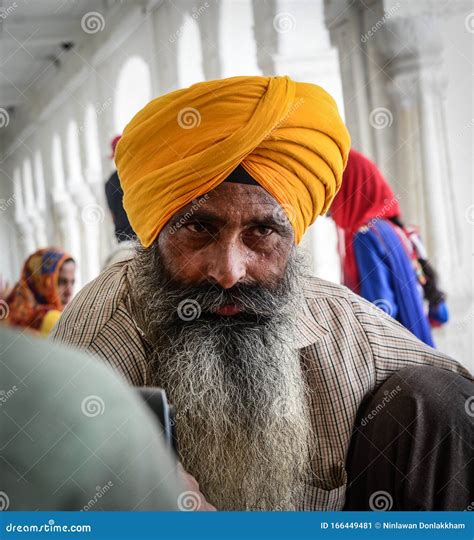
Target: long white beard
[(242, 420), (240, 396)]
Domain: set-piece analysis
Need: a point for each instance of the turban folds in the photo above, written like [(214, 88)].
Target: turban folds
[(287, 135)]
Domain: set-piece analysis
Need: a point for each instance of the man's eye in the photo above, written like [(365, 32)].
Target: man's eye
[(261, 230), (198, 227)]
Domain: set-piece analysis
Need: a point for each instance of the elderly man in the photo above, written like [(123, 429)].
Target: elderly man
[(284, 385)]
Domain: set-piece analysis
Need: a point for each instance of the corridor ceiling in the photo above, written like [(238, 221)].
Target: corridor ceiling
[(35, 37)]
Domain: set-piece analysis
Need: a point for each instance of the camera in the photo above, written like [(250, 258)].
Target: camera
[(157, 401)]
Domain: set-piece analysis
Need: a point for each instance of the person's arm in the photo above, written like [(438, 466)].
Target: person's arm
[(374, 274)]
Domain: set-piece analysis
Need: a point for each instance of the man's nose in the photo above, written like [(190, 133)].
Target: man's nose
[(227, 264)]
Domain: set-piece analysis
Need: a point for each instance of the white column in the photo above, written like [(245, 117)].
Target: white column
[(343, 21), (168, 23), (27, 239), (417, 88), (96, 138), (65, 209), (90, 213), (31, 208), (40, 214), (208, 17)]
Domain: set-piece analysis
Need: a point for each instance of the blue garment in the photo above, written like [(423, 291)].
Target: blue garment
[(439, 313), (388, 279)]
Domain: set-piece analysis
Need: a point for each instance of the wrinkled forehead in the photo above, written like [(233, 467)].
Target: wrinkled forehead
[(231, 202)]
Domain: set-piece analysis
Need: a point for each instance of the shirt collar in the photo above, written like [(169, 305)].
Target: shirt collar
[(308, 329)]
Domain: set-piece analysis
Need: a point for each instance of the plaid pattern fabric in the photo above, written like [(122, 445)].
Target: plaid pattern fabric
[(347, 348)]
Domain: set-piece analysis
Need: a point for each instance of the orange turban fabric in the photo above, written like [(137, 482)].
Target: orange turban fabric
[(288, 136)]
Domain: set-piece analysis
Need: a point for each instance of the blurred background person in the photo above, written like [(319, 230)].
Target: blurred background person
[(384, 261), (123, 230), (45, 287)]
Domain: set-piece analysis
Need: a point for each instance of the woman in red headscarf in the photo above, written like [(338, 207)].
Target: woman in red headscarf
[(44, 289), (383, 260)]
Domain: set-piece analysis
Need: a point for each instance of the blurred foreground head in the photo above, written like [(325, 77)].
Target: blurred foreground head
[(87, 442)]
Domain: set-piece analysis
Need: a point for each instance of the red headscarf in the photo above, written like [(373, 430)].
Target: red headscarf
[(113, 144), (364, 196), (37, 291)]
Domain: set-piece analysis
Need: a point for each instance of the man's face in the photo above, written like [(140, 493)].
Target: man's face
[(235, 234), (66, 281)]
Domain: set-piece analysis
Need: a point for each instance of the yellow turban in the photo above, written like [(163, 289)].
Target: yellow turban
[(288, 136)]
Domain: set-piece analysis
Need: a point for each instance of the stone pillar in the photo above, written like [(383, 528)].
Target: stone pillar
[(208, 18), (95, 138), (168, 25), (391, 56), (65, 210), (343, 23), (90, 213), (413, 48), (40, 219), (32, 211), (27, 240)]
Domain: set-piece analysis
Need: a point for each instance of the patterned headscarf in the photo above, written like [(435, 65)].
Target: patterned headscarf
[(37, 293)]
